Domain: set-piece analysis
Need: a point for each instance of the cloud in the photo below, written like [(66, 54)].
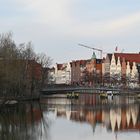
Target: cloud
[(49, 11), (57, 14), (108, 27), (124, 22)]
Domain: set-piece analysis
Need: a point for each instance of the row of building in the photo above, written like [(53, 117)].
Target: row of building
[(115, 68)]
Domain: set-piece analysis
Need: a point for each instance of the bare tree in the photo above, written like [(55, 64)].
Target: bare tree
[(21, 68), (45, 62)]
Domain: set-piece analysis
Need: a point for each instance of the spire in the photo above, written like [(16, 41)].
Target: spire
[(116, 49), (118, 67), (128, 70), (93, 56), (113, 65)]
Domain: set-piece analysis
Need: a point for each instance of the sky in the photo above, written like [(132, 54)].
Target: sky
[(56, 27)]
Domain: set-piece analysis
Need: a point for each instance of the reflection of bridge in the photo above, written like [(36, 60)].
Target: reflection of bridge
[(89, 101)]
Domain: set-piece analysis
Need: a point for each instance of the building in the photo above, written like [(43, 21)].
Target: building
[(87, 72), (34, 70), (77, 71), (94, 70), (62, 73), (50, 75), (122, 66)]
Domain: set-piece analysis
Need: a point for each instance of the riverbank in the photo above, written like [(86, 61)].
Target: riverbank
[(14, 100)]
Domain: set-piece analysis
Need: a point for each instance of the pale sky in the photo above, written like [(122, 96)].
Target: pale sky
[(55, 27)]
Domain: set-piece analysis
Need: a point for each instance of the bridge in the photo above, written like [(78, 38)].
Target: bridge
[(80, 90), (58, 90)]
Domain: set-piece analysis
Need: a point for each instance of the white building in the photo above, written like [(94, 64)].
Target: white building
[(124, 65), (134, 72), (134, 76), (113, 66), (63, 73), (128, 70), (118, 69), (51, 76), (115, 69)]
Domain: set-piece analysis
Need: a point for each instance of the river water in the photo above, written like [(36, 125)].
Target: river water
[(87, 118)]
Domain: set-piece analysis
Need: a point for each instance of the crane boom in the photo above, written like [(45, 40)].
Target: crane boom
[(93, 49), (90, 47)]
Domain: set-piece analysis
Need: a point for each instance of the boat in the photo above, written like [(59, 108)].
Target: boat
[(103, 95), (138, 96), (106, 95), (73, 95)]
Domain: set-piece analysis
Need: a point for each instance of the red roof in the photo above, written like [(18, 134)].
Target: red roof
[(61, 66), (81, 62), (131, 57)]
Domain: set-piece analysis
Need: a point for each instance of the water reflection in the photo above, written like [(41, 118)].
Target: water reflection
[(22, 122), (115, 118), (87, 118)]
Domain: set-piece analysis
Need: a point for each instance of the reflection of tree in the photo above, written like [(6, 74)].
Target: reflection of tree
[(23, 122)]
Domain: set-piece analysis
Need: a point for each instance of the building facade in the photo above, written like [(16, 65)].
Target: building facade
[(77, 71), (123, 66), (86, 72), (62, 73), (50, 77), (94, 70)]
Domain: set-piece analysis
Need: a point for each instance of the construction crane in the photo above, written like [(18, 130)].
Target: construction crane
[(101, 51)]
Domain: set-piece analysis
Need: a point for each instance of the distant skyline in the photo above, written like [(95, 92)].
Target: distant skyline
[(55, 27)]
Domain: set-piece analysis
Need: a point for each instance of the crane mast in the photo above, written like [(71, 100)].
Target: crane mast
[(101, 51)]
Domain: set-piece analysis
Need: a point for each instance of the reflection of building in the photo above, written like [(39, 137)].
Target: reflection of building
[(117, 119), (125, 119)]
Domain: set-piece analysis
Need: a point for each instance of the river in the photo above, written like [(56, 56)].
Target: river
[(87, 118)]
